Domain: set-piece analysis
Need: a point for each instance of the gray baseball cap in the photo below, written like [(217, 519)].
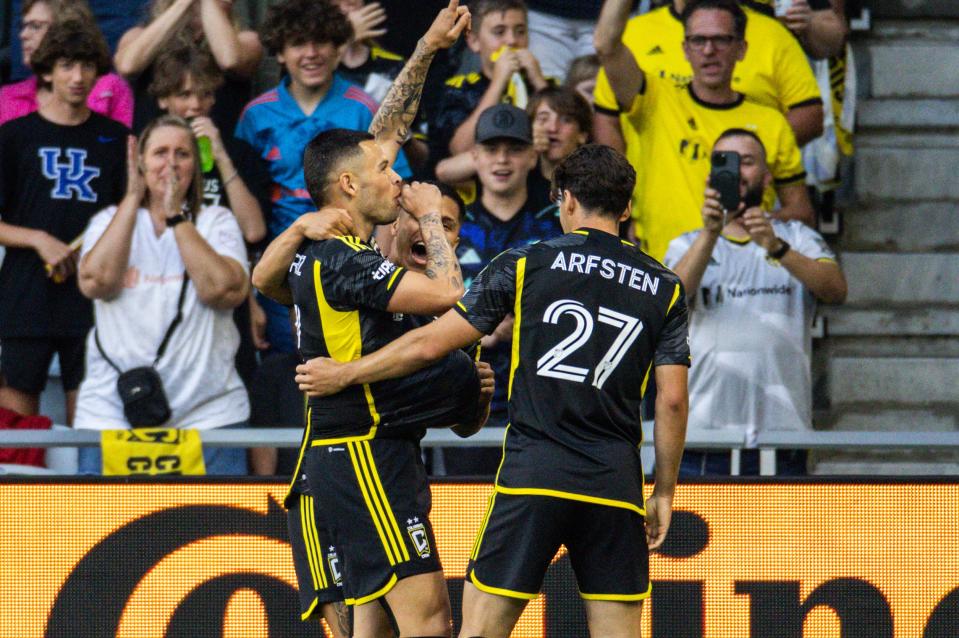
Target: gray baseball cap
[(503, 120)]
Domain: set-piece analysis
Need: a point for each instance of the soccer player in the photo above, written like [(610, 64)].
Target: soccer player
[(58, 167), (360, 455), (594, 317)]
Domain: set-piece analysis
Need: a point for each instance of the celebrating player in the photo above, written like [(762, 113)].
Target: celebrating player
[(594, 315)]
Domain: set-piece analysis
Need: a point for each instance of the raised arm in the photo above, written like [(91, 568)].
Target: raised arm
[(140, 45), (236, 52), (692, 265), (625, 76), (391, 124)]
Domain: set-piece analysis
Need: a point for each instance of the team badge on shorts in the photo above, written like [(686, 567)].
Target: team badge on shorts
[(334, 562), (421, 540)]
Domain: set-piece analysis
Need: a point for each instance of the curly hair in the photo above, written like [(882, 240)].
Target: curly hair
[(73, 40), (171, 69), (293, 22)]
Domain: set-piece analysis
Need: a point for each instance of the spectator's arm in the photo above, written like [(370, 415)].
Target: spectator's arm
[(59, 257), (103, 266), (221, 282), (806, 122), (607, 130), (504, 67), (795, 204), (625, 76), (692, 265), (822, 32), (140, 45), (457, 168), (235, 52)]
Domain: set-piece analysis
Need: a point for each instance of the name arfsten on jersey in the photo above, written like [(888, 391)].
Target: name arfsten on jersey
[(607, 269)]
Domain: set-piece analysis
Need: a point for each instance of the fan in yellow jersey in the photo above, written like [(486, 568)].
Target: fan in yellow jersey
[(675, 121)]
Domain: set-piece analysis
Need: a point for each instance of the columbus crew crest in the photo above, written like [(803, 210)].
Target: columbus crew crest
[(421, 540), (334, 562)]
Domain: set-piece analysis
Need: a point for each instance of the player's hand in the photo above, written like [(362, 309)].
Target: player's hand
[(319, 377), (326, 223), (713, 213), (204, 127), (258, 324), (366, 21), (659, 512), (447, 27), (530, 66), (487, 380), (798, 17), (136, 186), (487, 384), (420, 198), (59, 259), (505, 65), (760, 230), (503, 333)]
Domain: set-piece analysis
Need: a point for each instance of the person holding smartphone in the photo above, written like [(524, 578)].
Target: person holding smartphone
[(752, 281)]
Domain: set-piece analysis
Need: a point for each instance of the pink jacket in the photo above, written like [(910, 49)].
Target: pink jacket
[(111, 96)]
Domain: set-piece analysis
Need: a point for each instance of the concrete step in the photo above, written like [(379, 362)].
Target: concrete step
[(902, 278), (907, 226), (886, 417), (850, 321), (914, 8), (903, 113), (906, 166), (911, 59), (904, 380)]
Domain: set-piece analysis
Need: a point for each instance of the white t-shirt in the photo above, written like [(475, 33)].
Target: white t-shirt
[(749, 335), (198, 371)]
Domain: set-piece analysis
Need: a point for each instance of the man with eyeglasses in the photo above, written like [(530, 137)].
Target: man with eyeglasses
[(675, 120)]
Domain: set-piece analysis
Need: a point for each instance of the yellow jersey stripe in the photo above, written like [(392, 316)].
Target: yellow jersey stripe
[(299, 459), (389, 284), (349, 243), (672, 301), (518, 315), (499, 591), (479, 537), (462, 306), (317, 548), (310, 558), (361, 482), (309, 612), (377, 594), (596, 500), (387, 510), (642, 389), (344, 439), (619, 597)]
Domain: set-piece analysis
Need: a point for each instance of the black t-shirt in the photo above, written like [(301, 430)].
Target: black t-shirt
[(593, 315), (341, 288), (53, 178)]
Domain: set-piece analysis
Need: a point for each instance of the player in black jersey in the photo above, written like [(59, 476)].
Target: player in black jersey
[(359, 458), (594, 316)]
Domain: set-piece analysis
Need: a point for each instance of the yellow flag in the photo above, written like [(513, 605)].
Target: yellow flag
[(151, 452)]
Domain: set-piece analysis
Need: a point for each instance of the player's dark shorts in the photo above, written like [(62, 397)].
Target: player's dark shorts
[(606, 546), (25, 361), (375, 499), (314, 557)]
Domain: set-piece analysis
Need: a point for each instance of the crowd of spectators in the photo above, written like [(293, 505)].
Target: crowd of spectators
[(163, 228)]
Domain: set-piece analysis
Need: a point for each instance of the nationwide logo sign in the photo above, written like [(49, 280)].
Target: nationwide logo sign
[(196, 558)]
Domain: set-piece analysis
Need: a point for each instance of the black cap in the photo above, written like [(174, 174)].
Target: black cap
[(503, 121)]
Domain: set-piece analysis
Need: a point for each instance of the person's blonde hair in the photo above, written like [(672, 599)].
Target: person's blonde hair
[(194, 194), (63, 10)]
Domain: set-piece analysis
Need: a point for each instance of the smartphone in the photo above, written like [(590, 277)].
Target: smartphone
[(782, 6), (724, 177)]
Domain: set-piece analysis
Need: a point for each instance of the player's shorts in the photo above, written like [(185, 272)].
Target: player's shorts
[(314, 557), (25, 361), (606, 546), (376, 501)]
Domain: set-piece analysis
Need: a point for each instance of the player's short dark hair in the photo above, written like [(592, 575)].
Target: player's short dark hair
[(479, 9), (448, 191), (171, 69), (565, 101), (73, 41), (730, 6), (599, 177), (741, 132), (325, 154), (300, 21)]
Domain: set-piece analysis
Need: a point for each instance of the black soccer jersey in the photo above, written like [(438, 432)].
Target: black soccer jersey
[(53, 178), (341, 288), (593, 316)]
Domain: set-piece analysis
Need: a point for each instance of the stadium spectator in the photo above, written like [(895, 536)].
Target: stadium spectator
[(582, 76), (818, 24), (110, 96), (307, 38), (499, 37), (372, 67), (676, 123), (752, 282), (774, 72), (561, 122), (158, 251), (58, 167), (208, 24), (502, 217), (560, 31)]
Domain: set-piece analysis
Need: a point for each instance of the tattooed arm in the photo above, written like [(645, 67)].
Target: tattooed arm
[(391, 124), (441, 286)]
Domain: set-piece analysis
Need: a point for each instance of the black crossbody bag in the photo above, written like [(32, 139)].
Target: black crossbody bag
[(141, 389)]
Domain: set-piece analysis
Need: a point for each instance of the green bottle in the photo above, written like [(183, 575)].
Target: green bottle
[(206, 153)]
